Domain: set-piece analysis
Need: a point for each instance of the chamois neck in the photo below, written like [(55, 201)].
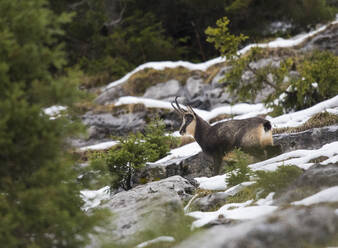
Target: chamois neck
[(201, 132)]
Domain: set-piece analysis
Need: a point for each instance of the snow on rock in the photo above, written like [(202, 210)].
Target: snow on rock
[(300, 117), (161, 65), (267, 201), (148, 102), (183, 151), (327, 195), (100, 146), (234, 211), (155, 241), (93, 198), (299, 158), (332, 160), (54, 111), (237, 109), (244, 110), (279, 42), (235, 189), (212, 183)]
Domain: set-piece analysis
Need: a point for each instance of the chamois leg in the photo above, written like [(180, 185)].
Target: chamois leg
[(217, 164)]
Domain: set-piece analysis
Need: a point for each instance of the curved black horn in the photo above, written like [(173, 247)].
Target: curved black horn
[(182, 110), (190, 108), (177, 108), (172, 104)]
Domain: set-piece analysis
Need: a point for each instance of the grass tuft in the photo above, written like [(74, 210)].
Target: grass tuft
[(318, 120)]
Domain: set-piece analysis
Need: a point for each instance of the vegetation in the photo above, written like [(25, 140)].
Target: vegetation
[(315, 81), (266, 181), (275, 181), (40, 205), (238, 170), (142, 80), (109, 38), (133, 152), (318, 120)]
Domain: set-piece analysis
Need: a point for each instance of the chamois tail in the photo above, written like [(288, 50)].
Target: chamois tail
[(267, 125)]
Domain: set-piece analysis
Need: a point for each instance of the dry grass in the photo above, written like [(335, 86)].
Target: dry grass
[(93, 81), (140, 81), (318, 120), (212, 71)]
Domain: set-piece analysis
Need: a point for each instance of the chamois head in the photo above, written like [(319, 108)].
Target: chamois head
[(189, 119)]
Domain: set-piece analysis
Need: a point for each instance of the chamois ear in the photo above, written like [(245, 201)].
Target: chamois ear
[(190, 110)]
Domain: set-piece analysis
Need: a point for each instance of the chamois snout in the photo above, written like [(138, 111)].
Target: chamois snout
[(188, 125), (188, 119)]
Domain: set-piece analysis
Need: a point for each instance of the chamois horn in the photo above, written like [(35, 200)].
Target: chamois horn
[(178, 109)]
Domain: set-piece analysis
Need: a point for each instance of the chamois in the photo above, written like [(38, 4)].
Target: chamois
[(223, 137)]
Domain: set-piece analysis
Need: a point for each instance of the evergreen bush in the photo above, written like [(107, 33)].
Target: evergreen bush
[(275, 181), (134, 152), (40, 204), (317, 82), (238, 171)]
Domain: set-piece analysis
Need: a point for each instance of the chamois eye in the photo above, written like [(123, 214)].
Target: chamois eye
[(189, 118)]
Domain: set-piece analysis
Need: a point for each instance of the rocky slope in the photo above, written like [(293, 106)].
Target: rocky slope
[(304, 214)]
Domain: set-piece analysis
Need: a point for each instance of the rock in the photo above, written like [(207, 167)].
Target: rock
[(216, 81), (164, 90), (317, 178), (326, 40), (189, 167), (110, 94), (210, 202), (194, 87), (293, 227), (103, 125), (134, 210), (310, 139)]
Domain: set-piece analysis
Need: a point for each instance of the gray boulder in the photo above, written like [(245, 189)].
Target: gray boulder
[(310, 139), (189, 167), (326, 40), (164, 90), (293, 227), (317, 178), (134, 210), (109, 95), (105, 125)]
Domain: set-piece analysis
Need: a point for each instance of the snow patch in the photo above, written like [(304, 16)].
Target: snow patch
[(212, 183), (300, 117), (267, 201), (299, 158), (279, 42), (100, 146), (93, 198), (327, 195), (157, 240), (54, 111), (234, 211), (181, 152)]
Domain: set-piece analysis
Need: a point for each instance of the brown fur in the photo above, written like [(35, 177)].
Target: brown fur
[(223, 137)]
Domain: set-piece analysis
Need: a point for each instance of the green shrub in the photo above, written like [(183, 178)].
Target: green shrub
[(40, 203), (244, 89), (238, 171), (317, 81), (134, 152), (225, 42), (275, 181)]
